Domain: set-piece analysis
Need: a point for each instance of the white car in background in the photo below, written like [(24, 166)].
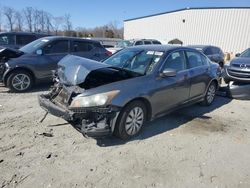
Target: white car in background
[(127, 43)]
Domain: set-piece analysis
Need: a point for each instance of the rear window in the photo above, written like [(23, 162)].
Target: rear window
[(24, 39)]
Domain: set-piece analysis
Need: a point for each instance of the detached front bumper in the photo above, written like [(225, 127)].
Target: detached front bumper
[(91, 122), (239, 91)]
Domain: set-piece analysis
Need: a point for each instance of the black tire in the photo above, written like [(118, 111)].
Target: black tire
[(28, 81), (210, 94), (221, 64), (226, 81), (120, 128)]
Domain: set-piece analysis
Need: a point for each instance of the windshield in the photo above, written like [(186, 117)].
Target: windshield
[(246, 53), (34, 46), (139, 61), (123, 44)]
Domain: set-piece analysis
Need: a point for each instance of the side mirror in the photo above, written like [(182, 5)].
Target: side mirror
[(39, 52), (168, 73), (237, 55)]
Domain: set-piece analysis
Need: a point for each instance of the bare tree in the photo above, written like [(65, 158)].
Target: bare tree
[(42, 20), (28, 12), (36, 17), (68, 24), (48, 22), (57, 23), (19, 21), (10, 16)]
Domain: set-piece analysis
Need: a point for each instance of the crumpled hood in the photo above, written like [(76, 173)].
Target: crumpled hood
[(8, 53), (72, 70)]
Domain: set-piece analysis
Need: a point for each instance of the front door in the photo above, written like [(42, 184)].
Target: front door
[(172, 91), (52, 54)]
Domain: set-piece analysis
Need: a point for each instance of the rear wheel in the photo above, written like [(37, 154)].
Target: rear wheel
[(130, 120), (210, 94), (20, 81)]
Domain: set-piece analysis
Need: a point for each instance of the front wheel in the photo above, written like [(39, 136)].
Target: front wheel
[(210, 94), (130, 120), (20, 81)]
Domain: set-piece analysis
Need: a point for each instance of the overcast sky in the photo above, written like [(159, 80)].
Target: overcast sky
[(91, 13)]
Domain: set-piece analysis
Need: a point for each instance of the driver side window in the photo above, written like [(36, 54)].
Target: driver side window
[(175, 61), (56, 47)]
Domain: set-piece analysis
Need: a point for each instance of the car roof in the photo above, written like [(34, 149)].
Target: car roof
[(201, 46), (159, 47), (69, 38)]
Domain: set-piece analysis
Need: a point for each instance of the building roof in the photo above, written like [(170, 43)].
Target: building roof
[(188, 8)]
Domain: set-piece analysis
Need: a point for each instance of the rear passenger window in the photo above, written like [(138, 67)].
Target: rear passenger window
[(138, 43), (147, 42), (156, 42), (79, 46), (175, 61), (56, 47), (194, 59), (24, 39), (208, 51)]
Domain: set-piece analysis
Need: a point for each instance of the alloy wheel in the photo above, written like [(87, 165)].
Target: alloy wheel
[(211, 93), (21, 82)]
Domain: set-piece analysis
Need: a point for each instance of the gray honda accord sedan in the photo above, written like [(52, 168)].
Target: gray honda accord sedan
[(131, 87)]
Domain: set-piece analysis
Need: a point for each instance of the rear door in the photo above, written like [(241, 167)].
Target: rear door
[(173, 91), (198, 68)]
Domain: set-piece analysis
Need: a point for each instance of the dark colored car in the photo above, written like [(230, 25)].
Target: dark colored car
[(132, 86), (238, 69), (35, 62), (214, 53), (18, 39)]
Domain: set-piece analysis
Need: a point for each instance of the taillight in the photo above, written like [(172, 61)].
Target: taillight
[(109, 53)]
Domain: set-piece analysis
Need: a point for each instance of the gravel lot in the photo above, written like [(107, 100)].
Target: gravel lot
[(194, 147)]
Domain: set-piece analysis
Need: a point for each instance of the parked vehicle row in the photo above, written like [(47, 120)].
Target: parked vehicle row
[(214, 53), (128, 43), (18, 39), (131, 87), (34, 62)]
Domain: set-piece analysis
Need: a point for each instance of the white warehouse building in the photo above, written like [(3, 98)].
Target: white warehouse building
[(227, 28)]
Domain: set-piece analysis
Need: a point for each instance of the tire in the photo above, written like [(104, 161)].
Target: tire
[(123, 128), (226, 81), (210, 94), (221, 64), (20, 81)]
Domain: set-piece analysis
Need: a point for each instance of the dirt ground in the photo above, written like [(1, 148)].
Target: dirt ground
[(193, 147)]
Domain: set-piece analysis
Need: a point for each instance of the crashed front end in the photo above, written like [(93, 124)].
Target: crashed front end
[(95, 121), (5, 55), (91, 114)]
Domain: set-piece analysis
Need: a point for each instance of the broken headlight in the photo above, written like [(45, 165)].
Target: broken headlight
[(99, 99)]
